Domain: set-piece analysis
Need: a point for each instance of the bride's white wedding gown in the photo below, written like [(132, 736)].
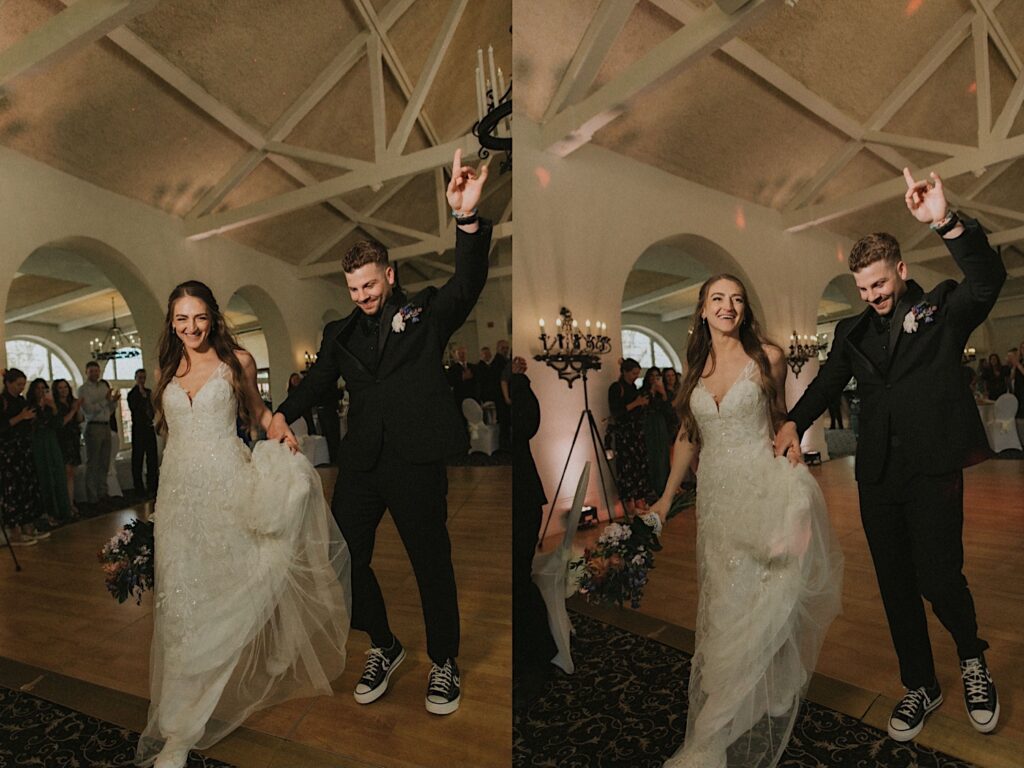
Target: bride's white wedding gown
[(252, 577), (770, 578)]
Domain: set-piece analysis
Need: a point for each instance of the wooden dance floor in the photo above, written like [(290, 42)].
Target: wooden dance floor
[(857, 673), (65, 639)]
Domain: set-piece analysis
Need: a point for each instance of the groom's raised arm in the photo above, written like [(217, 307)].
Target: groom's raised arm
[(456, 298), (984, 274)]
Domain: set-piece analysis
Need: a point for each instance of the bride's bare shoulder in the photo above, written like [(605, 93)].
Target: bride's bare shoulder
[(246, 360), (773, 352)]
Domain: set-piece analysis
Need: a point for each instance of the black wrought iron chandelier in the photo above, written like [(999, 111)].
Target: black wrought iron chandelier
[(572, 351), (802, 347), (118, 344), (493, 127)]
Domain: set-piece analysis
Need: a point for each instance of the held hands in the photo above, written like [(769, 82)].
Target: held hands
[(279, 431), (926, 199), (466, 186), (787, 443)]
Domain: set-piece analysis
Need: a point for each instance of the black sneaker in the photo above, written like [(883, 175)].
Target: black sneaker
[(907, 718), (443, 688), (380, 663), (979, 695)]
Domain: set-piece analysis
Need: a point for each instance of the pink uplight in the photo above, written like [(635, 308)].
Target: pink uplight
[(543, 176), (913, 6), (741, 218), (973, 88), (839, 254)]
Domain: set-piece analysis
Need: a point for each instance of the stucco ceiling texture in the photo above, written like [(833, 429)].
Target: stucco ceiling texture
[(767, 112), (106, 114)]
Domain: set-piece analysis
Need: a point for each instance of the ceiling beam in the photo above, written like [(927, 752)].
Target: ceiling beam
[(605, 26), (375, 24), (495, 273), (669, 291), (999, 37), (378, 103), (66, 33), (1005, 237), (994, 210), (982, 80), (443, 266), (575, 125), (316, 156), (332, 240), (997, 152), (678, 314), (89, 320), (438, 245), (914, 142), (825, 174), (417, 162), (56, 302), (428, 73)]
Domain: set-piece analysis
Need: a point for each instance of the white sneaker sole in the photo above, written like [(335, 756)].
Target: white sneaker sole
[(443, 709), (910, 734), (987, 727), (371, 696)]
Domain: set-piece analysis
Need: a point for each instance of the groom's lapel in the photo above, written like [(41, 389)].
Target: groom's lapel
[(342, 338), (390, 310), (856, 334), (909, 299)]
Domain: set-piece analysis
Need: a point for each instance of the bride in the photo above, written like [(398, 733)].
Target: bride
[(769, 565), (251, 573)]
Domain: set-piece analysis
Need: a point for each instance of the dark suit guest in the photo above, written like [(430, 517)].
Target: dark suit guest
[(140, 403), (919, 426)]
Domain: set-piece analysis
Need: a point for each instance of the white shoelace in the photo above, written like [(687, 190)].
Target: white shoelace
[(910, 703), (975, 682), (440, 678), (376, 661)]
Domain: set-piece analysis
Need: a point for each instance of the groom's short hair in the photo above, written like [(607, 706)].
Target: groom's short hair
[(878, 246), (364, 252)]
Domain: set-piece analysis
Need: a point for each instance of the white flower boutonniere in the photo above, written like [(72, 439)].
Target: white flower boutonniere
[(922, 312), (408, 313)]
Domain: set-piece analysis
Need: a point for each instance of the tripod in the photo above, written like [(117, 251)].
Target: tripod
[(3, 529), (598, 445)]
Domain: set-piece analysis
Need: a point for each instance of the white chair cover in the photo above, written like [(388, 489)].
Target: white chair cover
[(549, 572), (1003, 427), (485, 438)]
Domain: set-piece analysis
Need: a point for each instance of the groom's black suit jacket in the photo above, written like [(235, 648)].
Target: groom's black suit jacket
[(919, 400), (406, 395)]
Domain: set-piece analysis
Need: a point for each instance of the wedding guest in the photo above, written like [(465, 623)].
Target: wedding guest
[(994, 377), (835, 412), (658, 417), (461, 379), (670, 378), (46, 454), (628, 406), (69, 435), (20, 500), (98, 404), (502, 369), (140, 403), (1015, 364)]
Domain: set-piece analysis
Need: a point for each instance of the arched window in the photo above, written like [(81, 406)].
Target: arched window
[(40, 359), (125, 368), (648, 348)]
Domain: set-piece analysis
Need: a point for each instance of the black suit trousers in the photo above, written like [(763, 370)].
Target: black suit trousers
[(914, 527), (144, 450), (416, 496)]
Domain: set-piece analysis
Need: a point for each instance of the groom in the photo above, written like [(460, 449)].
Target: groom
[(919, 428), (402, 424)]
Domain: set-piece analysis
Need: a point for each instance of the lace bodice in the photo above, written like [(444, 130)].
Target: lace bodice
[(740, 425), (210, 415)]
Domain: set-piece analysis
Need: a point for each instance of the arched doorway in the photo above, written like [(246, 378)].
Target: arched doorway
[(261, 329)]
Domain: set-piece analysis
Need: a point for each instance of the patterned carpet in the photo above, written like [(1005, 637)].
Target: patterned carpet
[(626, 707), (35, 732)]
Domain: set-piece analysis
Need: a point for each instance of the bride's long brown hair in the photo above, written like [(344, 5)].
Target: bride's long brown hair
[(220, 338), (699, 349)]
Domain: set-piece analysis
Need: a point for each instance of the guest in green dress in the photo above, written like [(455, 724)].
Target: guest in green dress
[(47, 455)]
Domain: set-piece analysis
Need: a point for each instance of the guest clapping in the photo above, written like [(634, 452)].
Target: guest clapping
[(20, 502), (628, 406), (658, 419), (69, 434), (46, 454)]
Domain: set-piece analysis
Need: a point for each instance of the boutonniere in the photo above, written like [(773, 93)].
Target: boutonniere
[(922, 312), (408, 313)]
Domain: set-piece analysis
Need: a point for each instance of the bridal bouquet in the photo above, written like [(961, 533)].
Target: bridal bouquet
[(128, 561), (614, 571)]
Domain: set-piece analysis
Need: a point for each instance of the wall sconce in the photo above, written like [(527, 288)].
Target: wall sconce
[(803, 347), (310, 359), (970, 355)]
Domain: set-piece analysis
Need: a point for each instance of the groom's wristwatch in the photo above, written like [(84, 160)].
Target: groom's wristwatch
[(946, 225), (465, 218)]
